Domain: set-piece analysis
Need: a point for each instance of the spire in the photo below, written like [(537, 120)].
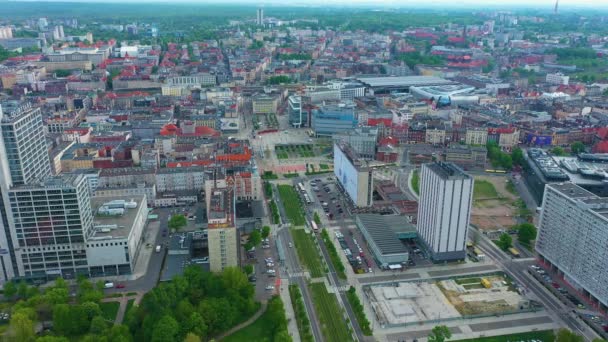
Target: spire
[(556, 6)]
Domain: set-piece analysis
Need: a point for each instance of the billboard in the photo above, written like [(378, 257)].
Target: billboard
[(346, 173), (538, 140)]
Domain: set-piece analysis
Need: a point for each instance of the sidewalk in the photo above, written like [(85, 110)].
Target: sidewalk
[(292, 325)]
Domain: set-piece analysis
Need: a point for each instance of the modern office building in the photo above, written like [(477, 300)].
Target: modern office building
[(446, 194), (354, 175), (51, 221), (260, 16), (297, 117), (572, 238), (329, 120), (363, 141), (264, 104), (222, 232)]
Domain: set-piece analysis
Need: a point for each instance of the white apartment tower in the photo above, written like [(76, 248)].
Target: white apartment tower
[(260, 16), (573, 238), (444, 210)]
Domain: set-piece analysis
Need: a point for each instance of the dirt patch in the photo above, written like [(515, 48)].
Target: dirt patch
[(495, 213)]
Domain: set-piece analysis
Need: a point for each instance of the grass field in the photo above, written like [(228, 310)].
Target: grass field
[(129, 305), (544, 336), (484, 189), (333, 327), (416, 182), (300, 312), (259, 331), (109, 310), (292, 205), (463, 281), (307, 252)]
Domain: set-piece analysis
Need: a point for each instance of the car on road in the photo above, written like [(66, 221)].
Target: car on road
[(120, 286), (269, 288), (108, 285), (290, 245)]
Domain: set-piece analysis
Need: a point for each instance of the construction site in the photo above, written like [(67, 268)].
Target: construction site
[(406, 303)]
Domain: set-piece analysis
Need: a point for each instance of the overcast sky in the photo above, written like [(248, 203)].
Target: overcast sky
[(472, 4)]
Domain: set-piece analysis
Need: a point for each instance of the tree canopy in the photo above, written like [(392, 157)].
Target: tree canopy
[(505, 241), (439, 333), (526, 232), (176, 222)]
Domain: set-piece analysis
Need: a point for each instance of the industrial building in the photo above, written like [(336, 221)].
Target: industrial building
[(354, 175), (446, 195), (383, 234), (572, 238), (388, 84)]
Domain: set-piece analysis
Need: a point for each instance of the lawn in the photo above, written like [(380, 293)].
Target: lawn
[(109, 310), (291, 175), (292, 205), (416, 182), (463, 281), (260, 330), (323, 166), (484, 189), (333, 326), (129, 305), (307, 252), (544, 336), (282, 155), (300, 312)]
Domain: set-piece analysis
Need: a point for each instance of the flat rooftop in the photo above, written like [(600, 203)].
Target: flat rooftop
[(120, 225), (384, 229), (448, 170), (403, 81)]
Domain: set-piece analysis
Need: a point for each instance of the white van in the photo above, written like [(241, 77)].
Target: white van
[(108, 285)]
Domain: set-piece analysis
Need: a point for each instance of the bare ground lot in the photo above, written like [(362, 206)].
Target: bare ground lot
[(494, 212)]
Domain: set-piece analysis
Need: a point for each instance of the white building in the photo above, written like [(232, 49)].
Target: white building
[(557, 79), (180, 179), (572, 238), (353, 174), (444, 210)]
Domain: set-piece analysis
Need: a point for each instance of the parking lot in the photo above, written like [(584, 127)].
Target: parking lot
[(265, 273), (331, 201)]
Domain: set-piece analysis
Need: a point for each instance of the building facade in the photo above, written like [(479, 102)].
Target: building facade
[(222, 232), (294, 109), (329, 120), (362, 139), (572, 238), (446, 195), (354, 175)]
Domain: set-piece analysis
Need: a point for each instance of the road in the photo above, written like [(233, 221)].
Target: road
[(519, 272), (295, 274)]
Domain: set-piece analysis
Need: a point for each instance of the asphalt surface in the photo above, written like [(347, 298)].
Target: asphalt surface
[(518, 272)]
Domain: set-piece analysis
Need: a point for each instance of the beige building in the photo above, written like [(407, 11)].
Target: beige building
[(67, 65), (222, 232), (476, 137), (263, 104), (435, 136), (508, 140)]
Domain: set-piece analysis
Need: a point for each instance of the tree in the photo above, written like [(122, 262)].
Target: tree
[(50, 338), (177, 222), (61, 319), (517, 156), (98, 325), (255, 238), (22, 290), (505, 241), (265, 232), (317, 218), (565, 335), (248, 269), (439, 333), (577, 147), (526, 232), (62, 73), (558, 151), (10, 290), (166, 329), (22, 327)]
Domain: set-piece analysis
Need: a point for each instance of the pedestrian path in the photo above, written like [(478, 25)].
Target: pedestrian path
[(248, 322), (292, 325)]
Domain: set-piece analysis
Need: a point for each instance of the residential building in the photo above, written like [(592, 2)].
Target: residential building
[(354, 175), (476, 137), (6, 32), (572, 238), (362, 140), (557, 78), (180, 179), (435, 136), (446, 194), (329, 120), (222, 232), (260, 16)]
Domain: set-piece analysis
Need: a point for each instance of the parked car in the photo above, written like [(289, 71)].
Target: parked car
[(120, 286), (269, 288)]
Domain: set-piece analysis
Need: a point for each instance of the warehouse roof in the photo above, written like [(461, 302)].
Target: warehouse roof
[(383, 229), (403, 81)]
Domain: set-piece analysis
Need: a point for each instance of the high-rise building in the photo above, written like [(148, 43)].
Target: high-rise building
[(6, 32), (24, 149), (260, 16), (51, 223), (572, 238), (354, 175), (222, 232), (444, 210), (294, 109)]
